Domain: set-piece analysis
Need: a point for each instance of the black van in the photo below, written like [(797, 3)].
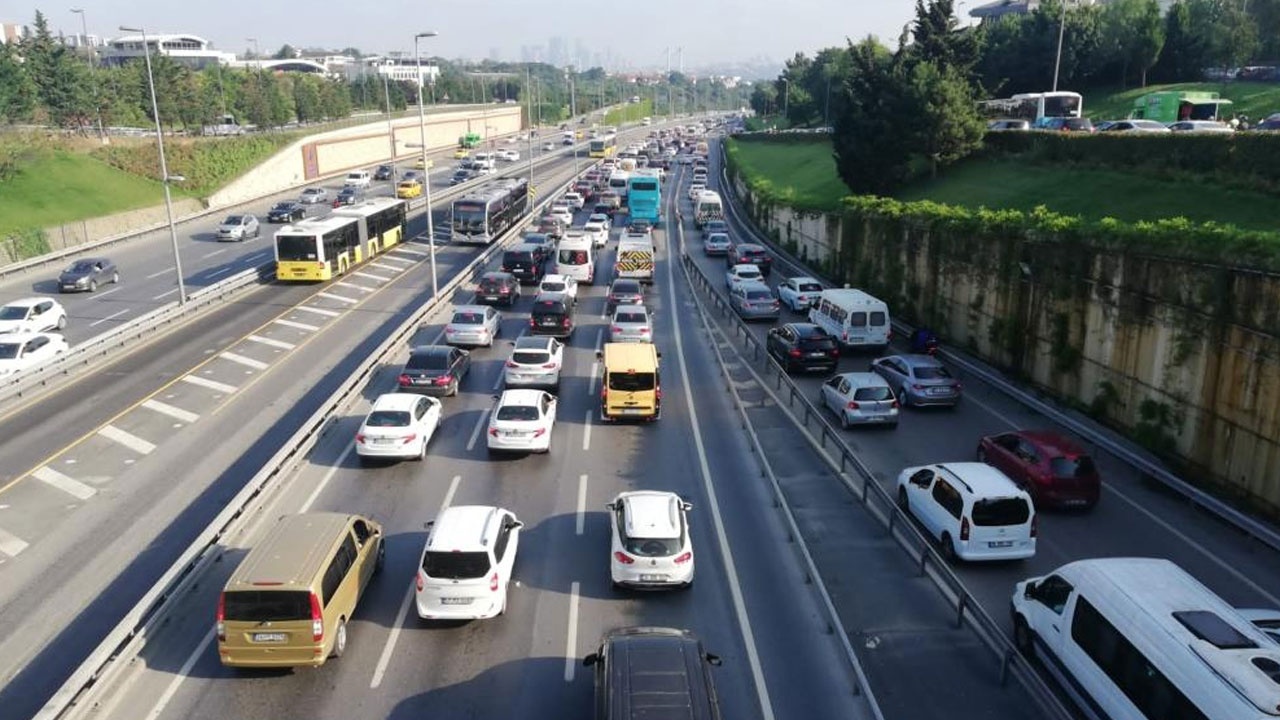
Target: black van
[(552, 315), (526, 262), (653, 672)]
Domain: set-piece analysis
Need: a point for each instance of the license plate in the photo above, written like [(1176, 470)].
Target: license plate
[(456, 600), (491, 298), (550, 322), (269, 637), (938, 391), (1000, 544), (512, 433), (383, 441), (653, 578), (817, 355), (633, 411)]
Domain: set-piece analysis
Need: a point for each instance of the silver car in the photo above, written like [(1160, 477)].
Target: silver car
[(313, 195), (535, 361), (473, 325), (754, 301), (631, 323), (918, 380), (239, 228), (716, 244), (860, 399)]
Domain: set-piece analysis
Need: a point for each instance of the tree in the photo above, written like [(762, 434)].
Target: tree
[(1233, 37), (867, 133), (764, 98), (306, 99), (17, 91), (286, 52), (937, 39), (943, 122), (1183, 52)]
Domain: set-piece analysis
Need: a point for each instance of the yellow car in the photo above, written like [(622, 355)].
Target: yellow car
[(409, 189), (418, 163), (461, 153)]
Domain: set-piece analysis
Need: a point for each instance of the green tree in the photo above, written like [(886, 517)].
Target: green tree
[(764, 98), (1233, 37), (943, 125), (936, 37), (1182, 55), (867, 134), (17, 91), (306, 99), (286, 52)]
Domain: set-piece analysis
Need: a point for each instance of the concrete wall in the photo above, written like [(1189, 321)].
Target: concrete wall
[(810, 236), (68, 235)]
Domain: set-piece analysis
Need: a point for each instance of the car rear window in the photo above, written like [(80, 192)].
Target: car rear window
[(467, 318), (1000, 512), (933, 372), (759, 295), (388, 418), (624, 316), (652, 547), (817, 343), (628, 288), (869, 394), (428, 361), (517, 257), (631, 381), (548, 307), (554, 286), (266, 605), (455, 565), (810, 287), (878, 319), (517, 412), (1067, 467), (530, 357)]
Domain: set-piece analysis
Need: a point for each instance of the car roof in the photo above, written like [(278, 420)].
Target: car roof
[(463, 528), (550, 296), (637, 307), (625, 282), (428, 350), (471, 308), (1051, 442), (804, 279), (395, 401), (752, 247), (534, 342), (918, 360), (497, 275), (555, 277), (864, 379), (808, 329), (29, 301), (651, 514), (748, 266), (520, 397), (983, 480)]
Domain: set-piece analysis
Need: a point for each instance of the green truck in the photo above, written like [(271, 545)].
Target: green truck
[(470, 140), (1170, 106)]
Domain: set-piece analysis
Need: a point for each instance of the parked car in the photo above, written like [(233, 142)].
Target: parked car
[(286, 212), (434, 370), (970, 509), (313, 195), (650, 546), (1201, 126), (754, 301), (238, 228), (803, 346), (1136, 126), (918, 380), (22, 351), (799, 293), (523, 420), (1067, 124), (536, 361), (399, 426), (32, 315), (472, 326), (87, 274), (1051, 468), (859, 399), (498, 288)]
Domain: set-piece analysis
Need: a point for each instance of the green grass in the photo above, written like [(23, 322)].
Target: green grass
[(800, 174), (629, 113), (56, 186), (1092, 194), (1257, 100)]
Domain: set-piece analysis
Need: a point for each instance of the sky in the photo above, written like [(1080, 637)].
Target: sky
[(710, 31)]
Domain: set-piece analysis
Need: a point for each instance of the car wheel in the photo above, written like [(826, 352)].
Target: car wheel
[(903, 503), (93, 286), (340, 640), (382, 558), (1024, 638), (62, 322), (422, 451), (948, 548), (453, 390), (844, 420), (115, 278), (904, 398)]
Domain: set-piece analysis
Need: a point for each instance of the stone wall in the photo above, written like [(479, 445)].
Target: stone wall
[(61, 237), (811, 236)]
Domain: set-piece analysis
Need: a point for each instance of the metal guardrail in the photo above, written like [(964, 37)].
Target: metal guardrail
[(125, 640), (1246, 524)]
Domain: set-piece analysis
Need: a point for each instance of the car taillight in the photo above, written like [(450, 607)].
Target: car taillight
[(616, 329), (360, 438), (417, 581), (1034, 522), (644, 331), (404, 380), (532, 323), (852, 405), (894, 404), (565, 323), (964, 528), (623, 558), (684, 558), (221, 615), (493, 582), (317, 619), (958, 387), (793, 352), (449, 331), (493, 432), (835, 352), (539, 432), (549, 366), (512, 363), (409, 438), (443, 380)]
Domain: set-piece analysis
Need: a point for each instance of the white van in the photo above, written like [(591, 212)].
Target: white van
[(854, 318), (358, 178), (635, 258), (576, 257), (484, 161)]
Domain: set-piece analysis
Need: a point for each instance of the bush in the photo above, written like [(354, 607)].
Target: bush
[(207, 163)]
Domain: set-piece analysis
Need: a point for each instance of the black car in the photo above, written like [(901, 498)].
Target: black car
[(462, 175), (641, 671), (552, 314), (624, 292), (434, 370), (384, 172), (526, 262), (604, 209), (749, 253), (498, 287), (803, 346), (286, 212), (348, 196), (87, 274), (711, 227)]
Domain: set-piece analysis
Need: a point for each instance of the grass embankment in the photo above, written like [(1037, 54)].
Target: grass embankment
[(1257, 100), (631, 112), (800, 174)]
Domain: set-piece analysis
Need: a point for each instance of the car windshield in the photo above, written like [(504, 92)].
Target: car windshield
[(13, 312), (631, 381), (932, 372), (467, 318), (468, 217), (260, 606), (630, 317), (652, 547), (523, 413), (387, 418), (455, 565), (999, 512), (1069, 467), (81, 266), (870, 394), (9, 351), (428, 361), (530, 357), (232, 220)]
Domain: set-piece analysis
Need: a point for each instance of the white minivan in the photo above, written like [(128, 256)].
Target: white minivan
[(358, 178), (972, 510), (854, 318), (576, 257)]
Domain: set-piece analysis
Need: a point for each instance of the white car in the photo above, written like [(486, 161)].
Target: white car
[(358, 178), (971, 509), (548, 146), (507, 154), (560, 284), (522, 421), (601, 218), (32, 315), (399, 426), (536, 361), (473, 326), (695, 190), (563, 212), (745, 272), (650, 547), (23, 351), (575, 200), (467, 563), (799, 293), (598, 233), (1268, 621)]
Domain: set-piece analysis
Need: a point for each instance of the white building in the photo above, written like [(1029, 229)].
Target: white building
[(14, 32), (190, 50), (394, 68)]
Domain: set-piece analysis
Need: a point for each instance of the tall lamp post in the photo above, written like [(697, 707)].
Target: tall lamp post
[(426, 167), (93, 69), (164, 168), (257, 52), (786, 98), (1057, 61), (391, 130)]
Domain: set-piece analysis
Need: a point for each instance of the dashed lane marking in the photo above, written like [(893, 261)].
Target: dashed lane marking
[(407, 251), (372, 276), (353, 286), (68, 485), (246, 361), (127, 439), (296, 325), (112, 316), (174, 412), (340, 298), (207, 383), (273, 343), (319, 311)]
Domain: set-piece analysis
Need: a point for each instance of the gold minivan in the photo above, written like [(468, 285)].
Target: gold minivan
[(632, 387), (289, 601)]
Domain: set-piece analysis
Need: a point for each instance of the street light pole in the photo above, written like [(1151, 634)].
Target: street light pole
[(786, 98), (1057, 62), (391, 130), (164, 167), (257, 52), (426, 166), (93, 71)]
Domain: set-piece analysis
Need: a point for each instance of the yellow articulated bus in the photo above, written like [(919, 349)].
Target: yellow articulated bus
[(604, 147), (319, 249)]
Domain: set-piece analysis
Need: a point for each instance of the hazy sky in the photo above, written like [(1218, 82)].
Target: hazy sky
[(710, 31)]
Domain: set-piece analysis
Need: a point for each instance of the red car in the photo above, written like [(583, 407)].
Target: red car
[(1051, 468)]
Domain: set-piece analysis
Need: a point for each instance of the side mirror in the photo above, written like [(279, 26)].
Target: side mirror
[(1030, 593), (427, 525), (712, 659), (659, 353), (686, 506), (611, 506), (591, 659), (599, 354), (515, 524)]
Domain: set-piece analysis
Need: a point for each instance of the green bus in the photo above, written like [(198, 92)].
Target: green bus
[(470, 140), (1170, 106)]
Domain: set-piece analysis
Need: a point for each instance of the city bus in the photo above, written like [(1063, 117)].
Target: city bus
[(381, 223), (604, 147), (644, 196), (485, 213), (1036, 108), (318, 249)]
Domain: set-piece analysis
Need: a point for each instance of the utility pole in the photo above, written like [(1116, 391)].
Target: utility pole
[(682, 61)]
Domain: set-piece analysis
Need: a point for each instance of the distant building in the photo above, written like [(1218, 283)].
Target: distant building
[(394, 67), (301, 65), (78, 41), (14, 32), (190, 50), (1000, 8)]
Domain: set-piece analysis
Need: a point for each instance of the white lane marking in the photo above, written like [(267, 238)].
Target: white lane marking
[(246, 361), (127, 439), (387, 650), (165, 294), (595, 372), (273, 343), (296, 324), (354, 286), (475, 433), (339, 298), (68, 485), (580, 522), (497, 383), (112, 316), (735, 590), (223, 271), (99, 296), (207, 383), (586, 431), (998, 415), (174, 412), (372, 276), (324, 481), (215, 253), (599, 338), (393, 258), (407, 251), (571, 641), (161, 272), (318, 311), (10, 544), (185, 670)]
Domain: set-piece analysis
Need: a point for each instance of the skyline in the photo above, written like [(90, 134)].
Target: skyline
[(754, 31)]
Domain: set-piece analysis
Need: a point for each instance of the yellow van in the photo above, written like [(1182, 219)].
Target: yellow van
[(289, 601), (632, 385)]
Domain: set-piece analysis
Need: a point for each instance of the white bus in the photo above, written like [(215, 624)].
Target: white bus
[(1036, 108), (483, 214), (1141, 639), (854, 318)]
